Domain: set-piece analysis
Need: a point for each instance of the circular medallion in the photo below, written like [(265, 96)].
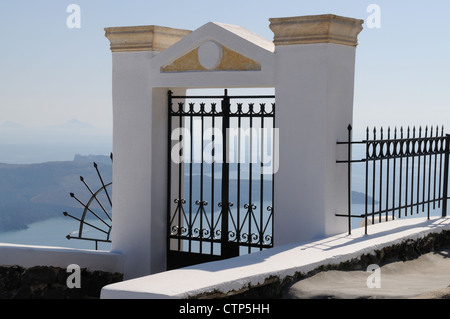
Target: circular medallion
[(210, 55)]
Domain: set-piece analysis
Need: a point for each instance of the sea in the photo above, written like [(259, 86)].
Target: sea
[(51, 232)]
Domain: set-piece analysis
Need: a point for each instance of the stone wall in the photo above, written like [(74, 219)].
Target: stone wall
[(42, 282)]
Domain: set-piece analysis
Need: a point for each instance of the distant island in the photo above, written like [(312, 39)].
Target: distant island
[(35, 192)]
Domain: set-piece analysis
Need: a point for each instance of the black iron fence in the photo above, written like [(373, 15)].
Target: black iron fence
[(405, 173)]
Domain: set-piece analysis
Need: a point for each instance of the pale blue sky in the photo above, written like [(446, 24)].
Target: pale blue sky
[(50, 74)]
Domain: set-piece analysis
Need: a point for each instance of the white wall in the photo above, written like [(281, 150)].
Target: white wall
[(160, 162), (132, 173), (140, 164), (314, 100)]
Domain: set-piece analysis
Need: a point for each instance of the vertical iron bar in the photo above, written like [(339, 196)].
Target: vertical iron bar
[(429, 173), (274, 156), (169, 166), (202, 119), (413, 154), (250, 211), (413, 159), (394, 167), (388, 155), (261, 218), (442, 148), (435, 151), (374, 161), (407, 172), (381, 175), (213, 152), (180, 105), (349, 178), (424, 166), (191, 146), (419, 142), (225, 173), (401, 173), (238, 208), (446, 172), (367, 181)]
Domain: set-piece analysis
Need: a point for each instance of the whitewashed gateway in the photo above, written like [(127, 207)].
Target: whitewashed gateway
[(310, 66)]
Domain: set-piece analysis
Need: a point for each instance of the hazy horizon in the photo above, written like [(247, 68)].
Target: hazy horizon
[(22, 144)]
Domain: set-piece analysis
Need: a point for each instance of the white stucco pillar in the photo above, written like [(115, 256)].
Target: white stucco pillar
[(314, 83), (139, 129)]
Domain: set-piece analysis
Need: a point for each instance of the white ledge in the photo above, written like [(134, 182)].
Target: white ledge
[(29, 256), (237, 273)]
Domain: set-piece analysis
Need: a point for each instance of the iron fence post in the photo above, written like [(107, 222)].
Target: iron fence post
[(446, 172), (225, 174), (366, 181), (169, 173), (349, 179)]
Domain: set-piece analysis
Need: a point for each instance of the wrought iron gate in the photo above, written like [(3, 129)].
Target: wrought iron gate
[(220, 189)]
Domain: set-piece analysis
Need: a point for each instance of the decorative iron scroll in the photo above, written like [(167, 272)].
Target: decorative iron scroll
[(240, 233), (96, 216)]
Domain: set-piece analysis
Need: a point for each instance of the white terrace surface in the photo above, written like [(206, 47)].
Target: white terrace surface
[(237, 273)]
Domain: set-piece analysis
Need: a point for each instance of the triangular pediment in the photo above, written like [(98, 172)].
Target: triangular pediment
[(216, 47), (212, 56)]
